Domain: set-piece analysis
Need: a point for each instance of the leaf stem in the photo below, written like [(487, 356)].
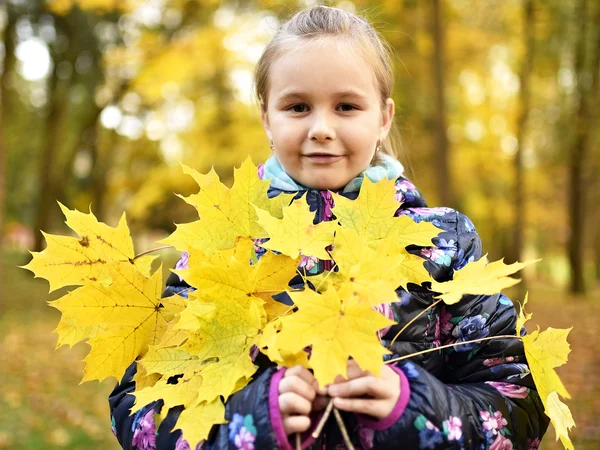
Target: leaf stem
[(325, 277), (413, 319), (343, 429), (429, 350), (321, 423), (152, 251), (298, 441)]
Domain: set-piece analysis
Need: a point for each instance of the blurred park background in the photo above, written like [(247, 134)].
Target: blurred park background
[(497, 106)]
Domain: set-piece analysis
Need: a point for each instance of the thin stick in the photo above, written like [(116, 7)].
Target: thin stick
[(152, 250), (413, 319), (321, 424), (323, 280), (509, 336), (298, 441), (343, 429)]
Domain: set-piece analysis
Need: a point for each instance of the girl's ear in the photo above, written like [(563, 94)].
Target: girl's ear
[(265, 120), (388, 117)]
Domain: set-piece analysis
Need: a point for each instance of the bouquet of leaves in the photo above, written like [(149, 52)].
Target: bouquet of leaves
[(208, 338)]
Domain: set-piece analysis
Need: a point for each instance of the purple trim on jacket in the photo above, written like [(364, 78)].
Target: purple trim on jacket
[(396, 413), (283, 442)]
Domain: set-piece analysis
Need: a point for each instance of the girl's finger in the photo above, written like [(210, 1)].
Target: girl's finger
[(297, 385), (354, 370), (320, 403), (295, 424), (369, 406), (367, 385), (291, 403), (301, 372)]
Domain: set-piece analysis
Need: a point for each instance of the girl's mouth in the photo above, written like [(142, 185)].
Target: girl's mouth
[(323, 158)]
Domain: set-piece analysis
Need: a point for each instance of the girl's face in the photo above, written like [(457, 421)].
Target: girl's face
[(324, 114)]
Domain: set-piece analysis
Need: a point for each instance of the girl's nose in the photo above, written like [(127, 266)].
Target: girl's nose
[(321, 128)]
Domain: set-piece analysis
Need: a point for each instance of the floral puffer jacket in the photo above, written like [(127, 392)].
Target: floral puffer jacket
[(471, 396)]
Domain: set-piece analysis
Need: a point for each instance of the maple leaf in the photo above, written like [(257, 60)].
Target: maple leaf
[(170, 361), (478, 278), (295, 234), (546, 351), (237, 280), (128, 309), (196, 422), (225, 214), (68, 261), (370, 275), (371, 215), (185, 393), (337, 329)]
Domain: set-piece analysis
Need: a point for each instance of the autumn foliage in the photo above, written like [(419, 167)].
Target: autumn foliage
[(208, 337)]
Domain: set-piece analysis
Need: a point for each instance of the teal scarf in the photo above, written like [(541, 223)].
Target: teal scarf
[(387, 167)]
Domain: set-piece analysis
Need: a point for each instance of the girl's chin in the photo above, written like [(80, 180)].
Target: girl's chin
[(325, 183)]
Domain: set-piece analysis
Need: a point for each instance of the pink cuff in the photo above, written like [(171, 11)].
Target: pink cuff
[(283, 442), (396, 413)]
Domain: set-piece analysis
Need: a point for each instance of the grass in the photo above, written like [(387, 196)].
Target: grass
[(42, 405)]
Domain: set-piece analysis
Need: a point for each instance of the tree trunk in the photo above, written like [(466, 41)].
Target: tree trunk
[(442, 151), (9, 61), (520, 219), (51, 144), (583, 130)]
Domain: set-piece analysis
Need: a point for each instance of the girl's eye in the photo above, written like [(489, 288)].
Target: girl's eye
[(295, 108), (348, 106)]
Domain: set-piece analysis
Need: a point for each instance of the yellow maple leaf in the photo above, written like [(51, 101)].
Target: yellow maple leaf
[(545, 351), (170, 361), (68, 261), (478, 278), (562, 419), (225, 376), (369, 275), (70, 334), (185, 393), (229, 331), (128, 309), (267, 343), (196, 422), (523, 317), (295, 234), (225, 214), (371, 215), (337, 329), (238, 281)]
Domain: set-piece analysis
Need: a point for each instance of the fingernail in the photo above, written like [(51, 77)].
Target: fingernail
[(333, 390)]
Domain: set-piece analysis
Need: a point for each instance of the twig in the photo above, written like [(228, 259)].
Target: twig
[(435, 349), (343, 429), (298, 441), (325, 277), (321, 424), (152, 250), (413, 319)]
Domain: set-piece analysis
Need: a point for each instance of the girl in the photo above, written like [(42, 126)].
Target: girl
[(324, 83)]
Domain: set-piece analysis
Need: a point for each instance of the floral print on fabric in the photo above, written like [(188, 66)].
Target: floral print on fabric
[(429, 434), (495, 429), (144, 431), (405, 191), (242, 432), (510, 390), (183, 263), (468, 329)]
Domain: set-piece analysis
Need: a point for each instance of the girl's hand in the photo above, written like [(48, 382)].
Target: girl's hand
[(364, 393), (299, 394)]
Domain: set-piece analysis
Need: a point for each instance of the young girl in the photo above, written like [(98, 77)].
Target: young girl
[(324, 83)]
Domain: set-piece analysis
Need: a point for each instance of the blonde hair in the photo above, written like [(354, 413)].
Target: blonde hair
[(312, 26)]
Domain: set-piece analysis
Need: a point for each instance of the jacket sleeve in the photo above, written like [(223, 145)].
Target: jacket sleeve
[(248, 412), (485, 397)]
